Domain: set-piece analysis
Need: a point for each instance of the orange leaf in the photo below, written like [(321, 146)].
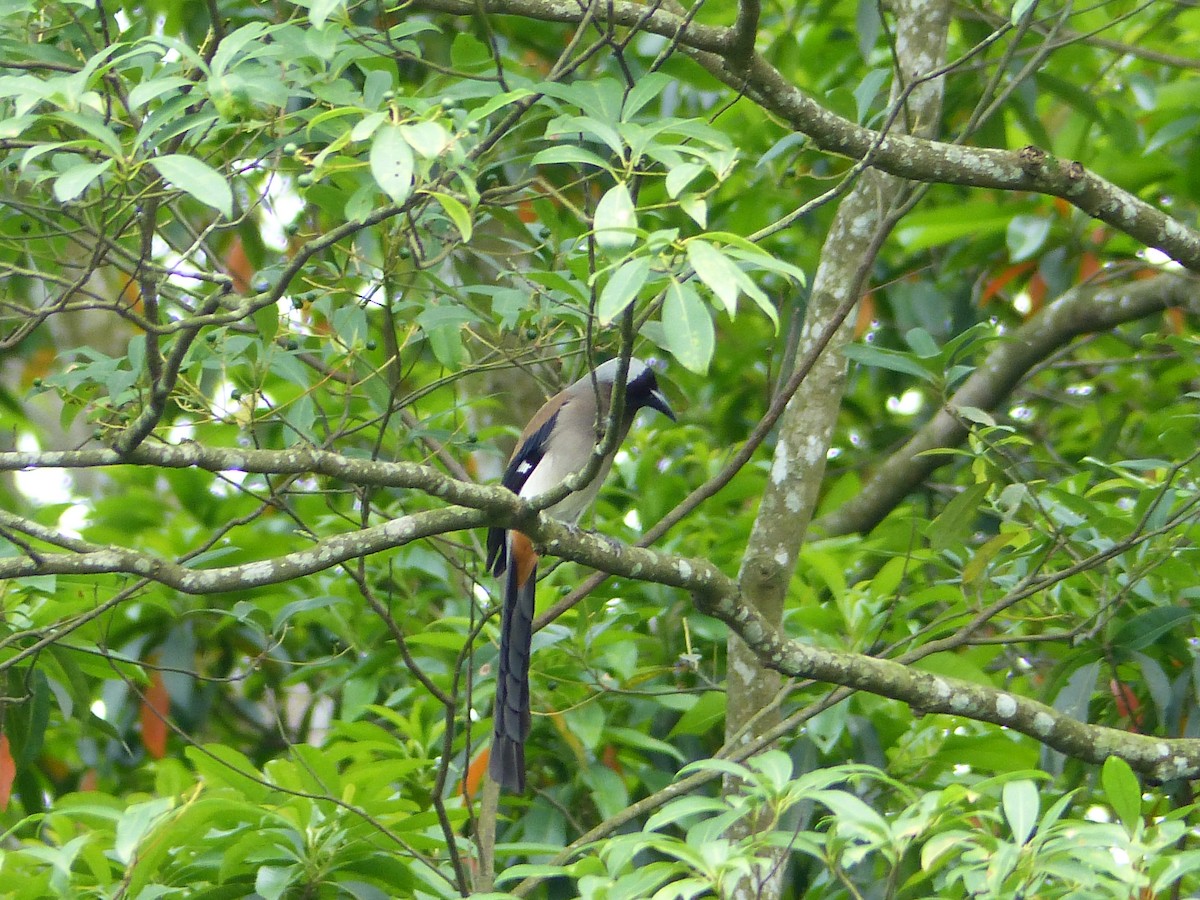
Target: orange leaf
[(1128, 705), (8, 772), (1001, 281), (156, 704), (1089, 265), (38, 365), (609, 759), (473, 780), (238, 265), (1175, 319), (866, 315), (1037, 293)]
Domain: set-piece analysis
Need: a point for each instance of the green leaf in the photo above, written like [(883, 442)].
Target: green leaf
[(945, 225), (429, 139), (272, 882), (870, 355), (615, 221), (73, 182), (922, 342), (680, 176), (1026, 235), (1020, 801), (687, 327), (320, 11), (1020, 7), (367, 126), (1123, 792), (608, 790), (868, 26), (135, 823), (685, 807), (14, 126), (866, 92), (569, 153), (1172, 131), (954, 523), (458, 213), (94, 125), (392, 163), (586, 723), (143, 93), (716, 271), (695, 208), (622, 288), (197, 179), (499, 101), (1147, 627), (645, 89), (703, 715)]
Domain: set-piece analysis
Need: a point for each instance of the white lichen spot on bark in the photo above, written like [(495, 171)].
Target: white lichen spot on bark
[(779, 465), (941, 690), (684, 568), (782, 557), (861, 226), (1006, 706), (794, 501), (960, 703), (1043, 723), (743, 671), (814, 449), (1162, 750), (258, 572)]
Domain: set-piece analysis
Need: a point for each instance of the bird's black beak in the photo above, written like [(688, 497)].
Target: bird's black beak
[(658, 400)]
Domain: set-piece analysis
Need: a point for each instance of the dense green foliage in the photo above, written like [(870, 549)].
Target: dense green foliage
[(388, 232)]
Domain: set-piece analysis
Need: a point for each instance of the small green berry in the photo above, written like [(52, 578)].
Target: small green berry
[(305, 179), (370, 345), (291, 148)]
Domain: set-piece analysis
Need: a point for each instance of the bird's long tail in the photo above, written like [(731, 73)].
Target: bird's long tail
[(511, 719)]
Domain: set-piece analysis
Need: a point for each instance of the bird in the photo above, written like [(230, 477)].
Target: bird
[(557, 443)]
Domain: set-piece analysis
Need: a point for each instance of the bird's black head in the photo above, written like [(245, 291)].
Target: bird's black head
[(641, 387)]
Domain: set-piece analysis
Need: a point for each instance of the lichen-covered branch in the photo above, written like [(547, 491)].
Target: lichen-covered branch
[(908, 157), (1082, 310), (714, 592)]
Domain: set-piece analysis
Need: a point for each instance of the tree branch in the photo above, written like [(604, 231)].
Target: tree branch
[(1082, 310), (715, 593), (912, 158)]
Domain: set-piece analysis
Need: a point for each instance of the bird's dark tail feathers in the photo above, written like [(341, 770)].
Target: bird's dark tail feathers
[(511, 719)]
